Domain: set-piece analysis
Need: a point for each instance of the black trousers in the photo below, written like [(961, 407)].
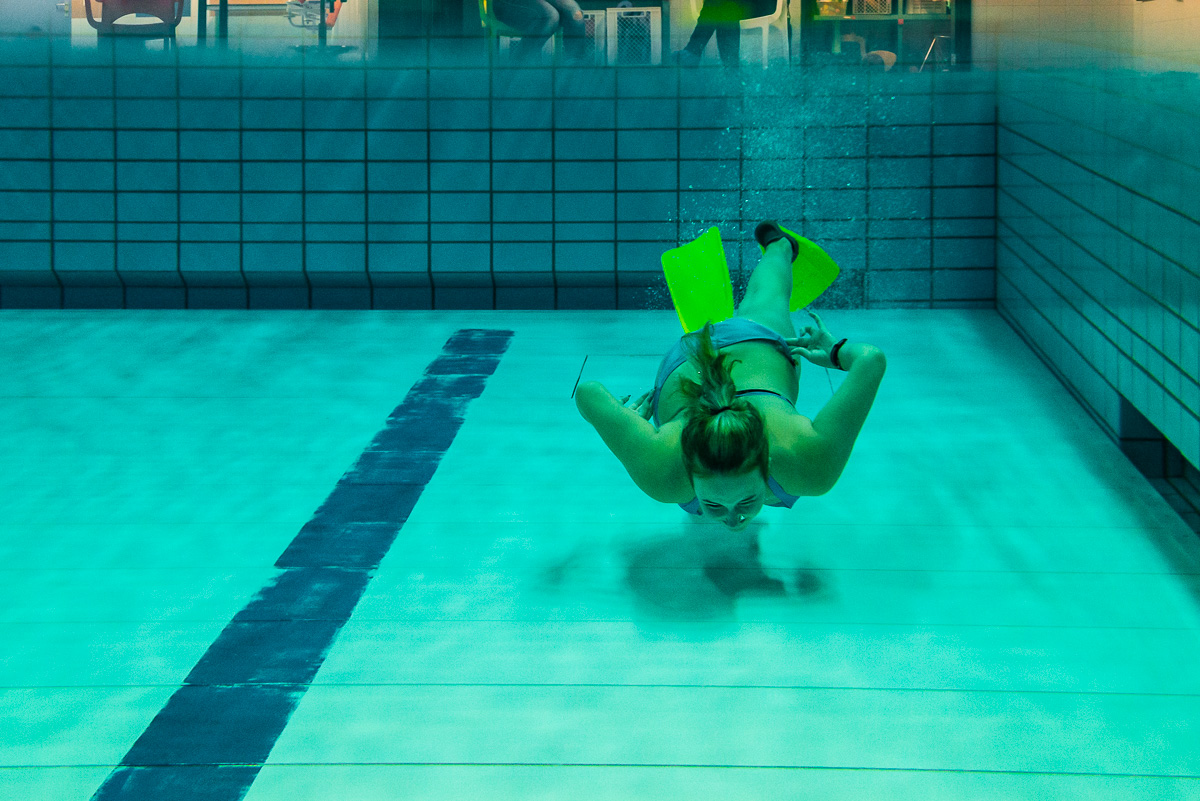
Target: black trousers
[(723, 17)]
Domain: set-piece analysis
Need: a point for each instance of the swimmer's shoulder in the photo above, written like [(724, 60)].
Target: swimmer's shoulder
[(798, 462), (673, 485)]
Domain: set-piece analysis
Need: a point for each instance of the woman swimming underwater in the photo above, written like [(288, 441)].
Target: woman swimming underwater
[(722, 451)]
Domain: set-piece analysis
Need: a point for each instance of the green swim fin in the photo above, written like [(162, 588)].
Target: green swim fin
[(813, 272), (698, 277)]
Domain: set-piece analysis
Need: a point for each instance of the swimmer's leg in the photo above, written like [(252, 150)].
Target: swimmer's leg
[(769, 293)]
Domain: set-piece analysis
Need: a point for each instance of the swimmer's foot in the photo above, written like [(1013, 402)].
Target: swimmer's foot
[(768, 231)]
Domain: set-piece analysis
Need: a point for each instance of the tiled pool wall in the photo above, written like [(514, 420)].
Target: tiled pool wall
[(208, 179), (1098, 255)]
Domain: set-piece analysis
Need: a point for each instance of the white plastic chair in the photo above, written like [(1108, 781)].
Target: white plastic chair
[(761, 22)]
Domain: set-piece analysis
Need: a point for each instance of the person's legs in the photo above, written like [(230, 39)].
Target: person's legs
[(699, 39), (537, 19), (729, 44), (722, 17), (769, 294), (723, 12), (574, 29)]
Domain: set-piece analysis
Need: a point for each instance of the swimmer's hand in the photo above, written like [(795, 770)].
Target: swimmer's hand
[(641, 405), (814, 343)]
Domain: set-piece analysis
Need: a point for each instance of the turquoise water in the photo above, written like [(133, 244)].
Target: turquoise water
[(992, 602), (297, 503)]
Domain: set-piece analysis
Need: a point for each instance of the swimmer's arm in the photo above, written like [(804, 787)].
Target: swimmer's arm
[(631, 438), (839, 422)]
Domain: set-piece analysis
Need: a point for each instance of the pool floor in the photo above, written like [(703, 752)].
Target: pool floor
[(216, 582)]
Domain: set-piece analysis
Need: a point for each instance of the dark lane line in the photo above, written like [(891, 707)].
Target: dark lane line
[(214, 734)]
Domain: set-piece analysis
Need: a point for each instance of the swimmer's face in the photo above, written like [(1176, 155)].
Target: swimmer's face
[(731, 499)]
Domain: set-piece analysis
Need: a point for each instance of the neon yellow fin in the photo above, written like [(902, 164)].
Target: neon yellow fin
[(813, 272), (698, 277)]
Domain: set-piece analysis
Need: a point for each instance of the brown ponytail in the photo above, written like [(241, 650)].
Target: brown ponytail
[(718, 442)]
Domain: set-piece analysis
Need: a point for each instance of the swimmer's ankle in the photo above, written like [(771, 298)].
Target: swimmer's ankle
[(783, 246)]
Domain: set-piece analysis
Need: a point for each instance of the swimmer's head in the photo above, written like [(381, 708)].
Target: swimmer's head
[(724, 441), (732, 499)]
